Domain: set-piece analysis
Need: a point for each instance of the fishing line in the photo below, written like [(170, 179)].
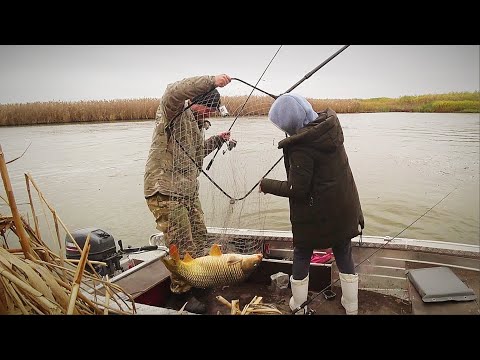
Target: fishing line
[(256, 88), (232, 199), (240, 111), (368, 257)]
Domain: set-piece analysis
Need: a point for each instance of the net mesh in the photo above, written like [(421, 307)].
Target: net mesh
[(228, 178)]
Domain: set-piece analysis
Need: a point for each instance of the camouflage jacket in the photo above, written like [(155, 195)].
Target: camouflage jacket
[(169, 169)]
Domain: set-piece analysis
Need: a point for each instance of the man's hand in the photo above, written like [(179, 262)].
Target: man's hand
[(222, 80), (225, 135)]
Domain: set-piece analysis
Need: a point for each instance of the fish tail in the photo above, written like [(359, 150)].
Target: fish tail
[(174, 252)]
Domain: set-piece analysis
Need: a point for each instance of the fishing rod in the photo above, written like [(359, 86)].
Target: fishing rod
[(199, 167), (302, 80), (238, 114), (368, 257), (232, 199), (317, 68), (274, 96)]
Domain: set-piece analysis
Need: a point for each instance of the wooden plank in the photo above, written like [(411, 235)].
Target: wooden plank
[(144, 279)]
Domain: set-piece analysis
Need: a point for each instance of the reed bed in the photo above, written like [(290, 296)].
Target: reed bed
[(36, 280), (145, 108)]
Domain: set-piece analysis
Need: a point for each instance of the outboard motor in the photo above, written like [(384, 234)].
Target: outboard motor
[(102, 248)]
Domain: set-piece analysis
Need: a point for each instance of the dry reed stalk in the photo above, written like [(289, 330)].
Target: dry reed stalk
[(96, 304), (73, 261), (30, 275), (182, 309), (112, 287), (16, 250), (58, 292), (78, 275), (263, 309), (60, 243), (253, 307), (52, 210), (32, 208), (32, 306), (38, 247), (29, 178), (5, 200), (70, 272), (81, 296), (47, 305), (73, 299), (34, 238), (3, 302), (13, 207), (258, 300), (107, 299), (5, 299), (223, 301), (244, 311), (16, 299), (235, 307), (5, 223)]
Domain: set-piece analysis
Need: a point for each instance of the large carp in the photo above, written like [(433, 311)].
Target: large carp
[(214, 269)]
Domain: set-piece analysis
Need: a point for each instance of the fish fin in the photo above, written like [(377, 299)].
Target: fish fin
[(187, 258), (174, 252), (215, 250)]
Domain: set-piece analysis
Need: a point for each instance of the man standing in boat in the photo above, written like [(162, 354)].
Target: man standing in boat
[(175, 160), (325, 210)]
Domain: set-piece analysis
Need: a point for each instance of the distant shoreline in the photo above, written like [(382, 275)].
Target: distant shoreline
[(101, 111)]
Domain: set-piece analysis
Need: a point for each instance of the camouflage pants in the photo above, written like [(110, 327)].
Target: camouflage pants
[(181, 220)]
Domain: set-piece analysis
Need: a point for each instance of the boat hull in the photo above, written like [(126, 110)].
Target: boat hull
[(382, 265)]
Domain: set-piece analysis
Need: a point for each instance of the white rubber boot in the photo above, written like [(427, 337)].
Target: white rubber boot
[(300, 294), (349, 299)]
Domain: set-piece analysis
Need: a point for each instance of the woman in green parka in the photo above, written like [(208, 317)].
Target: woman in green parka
[(325, 210)]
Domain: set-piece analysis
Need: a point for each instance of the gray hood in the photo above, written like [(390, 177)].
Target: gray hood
[(291, 112)]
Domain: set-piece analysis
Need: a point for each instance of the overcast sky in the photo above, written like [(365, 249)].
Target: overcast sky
[(31, 73)]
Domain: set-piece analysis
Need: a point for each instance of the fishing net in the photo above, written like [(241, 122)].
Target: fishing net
[(228, 189)]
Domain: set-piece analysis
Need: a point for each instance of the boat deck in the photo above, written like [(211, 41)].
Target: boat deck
[(370, 303), (384, 288)]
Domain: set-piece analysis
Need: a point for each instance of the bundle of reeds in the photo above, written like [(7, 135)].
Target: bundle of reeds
[(44, 287), (255, 306), (35, 280)]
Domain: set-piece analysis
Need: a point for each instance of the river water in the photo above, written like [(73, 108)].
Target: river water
[(403, 164)]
